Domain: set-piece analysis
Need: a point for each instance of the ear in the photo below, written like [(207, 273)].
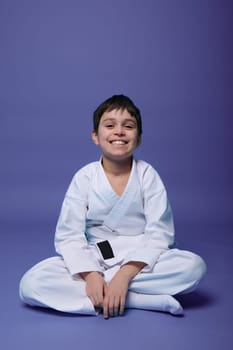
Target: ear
[(95, 138)]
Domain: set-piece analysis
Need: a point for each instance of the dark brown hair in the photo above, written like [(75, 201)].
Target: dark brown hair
[(117, 102)]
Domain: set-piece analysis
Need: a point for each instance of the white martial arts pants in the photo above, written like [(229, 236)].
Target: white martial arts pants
[(49, 284)]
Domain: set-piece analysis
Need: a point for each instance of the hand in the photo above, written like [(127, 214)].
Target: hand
[(115, 295), (95, 287), (116, 291)]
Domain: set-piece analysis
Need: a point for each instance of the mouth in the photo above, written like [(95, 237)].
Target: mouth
[(118, 142)]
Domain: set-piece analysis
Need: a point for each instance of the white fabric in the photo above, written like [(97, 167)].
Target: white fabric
[(165, 303), (139, 227), (50, 284), (138, 224)]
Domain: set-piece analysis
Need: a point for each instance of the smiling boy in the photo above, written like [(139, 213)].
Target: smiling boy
[(115, 232)]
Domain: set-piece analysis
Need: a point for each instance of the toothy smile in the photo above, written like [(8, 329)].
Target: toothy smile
[(118, 142)]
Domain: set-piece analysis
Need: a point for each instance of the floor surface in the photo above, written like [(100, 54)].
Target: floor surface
[(207, 323)]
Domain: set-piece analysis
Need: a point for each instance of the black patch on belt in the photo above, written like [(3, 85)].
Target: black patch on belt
[(106, 249)]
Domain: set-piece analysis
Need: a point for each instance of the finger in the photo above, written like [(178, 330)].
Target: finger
[(116, 310), (105, 290), (99, 300), (111, 307), (105, 308), (122, 306), (92, 300), (111, 311), (98, 304), (95, 299), (116, 306), (99, 296)]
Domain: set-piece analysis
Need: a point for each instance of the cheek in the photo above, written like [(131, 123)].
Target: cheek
[(103, 135)]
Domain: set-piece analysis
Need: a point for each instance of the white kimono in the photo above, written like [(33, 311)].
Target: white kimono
[(138, 225)]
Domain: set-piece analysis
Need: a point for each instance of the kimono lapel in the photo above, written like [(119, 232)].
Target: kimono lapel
[(124, 202), (103, 188)]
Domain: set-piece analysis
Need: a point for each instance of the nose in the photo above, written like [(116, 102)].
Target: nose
[(119, 130)]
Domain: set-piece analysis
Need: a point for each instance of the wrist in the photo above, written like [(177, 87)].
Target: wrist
[(131, 269), (90, 274)]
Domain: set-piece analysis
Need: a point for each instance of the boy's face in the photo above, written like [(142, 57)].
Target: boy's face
[(117, 135)]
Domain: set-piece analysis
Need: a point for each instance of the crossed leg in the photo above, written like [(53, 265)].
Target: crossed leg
[(49, 284)]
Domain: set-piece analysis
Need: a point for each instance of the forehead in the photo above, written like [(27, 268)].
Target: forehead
[(118, 115)]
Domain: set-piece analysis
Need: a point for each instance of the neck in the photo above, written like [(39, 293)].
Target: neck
[(117, 168)]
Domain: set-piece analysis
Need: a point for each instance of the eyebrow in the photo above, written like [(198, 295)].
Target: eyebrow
[(124, 121)]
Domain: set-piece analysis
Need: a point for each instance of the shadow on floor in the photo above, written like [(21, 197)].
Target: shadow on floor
[(196, 299)]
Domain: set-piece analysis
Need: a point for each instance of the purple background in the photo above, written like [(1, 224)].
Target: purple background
[(58, 61)]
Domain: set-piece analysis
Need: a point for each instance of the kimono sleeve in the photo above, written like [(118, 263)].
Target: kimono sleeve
[(70, 240), (159, 228)]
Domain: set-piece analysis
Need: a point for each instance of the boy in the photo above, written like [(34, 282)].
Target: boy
[(115, 232)]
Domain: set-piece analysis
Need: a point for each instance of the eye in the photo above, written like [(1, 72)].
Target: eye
[(109, 125), (129, 126)]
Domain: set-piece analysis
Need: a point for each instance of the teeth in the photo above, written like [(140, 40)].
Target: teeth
[(119, 142)]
